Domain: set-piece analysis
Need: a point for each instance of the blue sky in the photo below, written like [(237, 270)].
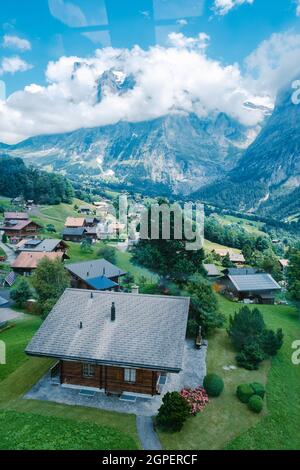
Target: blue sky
[(77, 27), (200, 56)]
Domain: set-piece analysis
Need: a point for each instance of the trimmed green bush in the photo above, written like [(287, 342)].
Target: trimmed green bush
[(256, 404), (173, 412), (213, 385), (244, 392), (258, 389)]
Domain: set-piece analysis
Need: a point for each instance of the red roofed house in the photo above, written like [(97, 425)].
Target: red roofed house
[(27, 261)]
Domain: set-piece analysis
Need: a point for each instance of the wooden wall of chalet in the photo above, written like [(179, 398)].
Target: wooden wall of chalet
[(109, 378)]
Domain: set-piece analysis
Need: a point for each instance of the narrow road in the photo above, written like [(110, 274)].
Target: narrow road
[(147, 435)]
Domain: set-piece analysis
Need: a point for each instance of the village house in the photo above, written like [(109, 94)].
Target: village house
[(47, 245), (284, 264), (98, 274), (85, 210), (76, 234), (27, 261), (113, 342), (17, 225), (259, 287)]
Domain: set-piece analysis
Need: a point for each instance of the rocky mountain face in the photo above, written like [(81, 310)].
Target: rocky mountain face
[(268, 174), (176, 153)]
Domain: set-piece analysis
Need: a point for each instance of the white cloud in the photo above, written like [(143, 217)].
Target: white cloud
[(13, 65), (222, 7), (274, 62), (177, 79), (16, 43), (298, 8)]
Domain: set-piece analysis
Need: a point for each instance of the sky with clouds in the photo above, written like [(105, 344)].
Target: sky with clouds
[(198, 56)]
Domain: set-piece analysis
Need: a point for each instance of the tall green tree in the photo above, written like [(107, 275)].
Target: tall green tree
[(21, 291), (50, 279), (204, 305)]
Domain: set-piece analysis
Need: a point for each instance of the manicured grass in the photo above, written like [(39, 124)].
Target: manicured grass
[(124, 261), (20, 431), (16, 339), (54, 426), (227, 423)]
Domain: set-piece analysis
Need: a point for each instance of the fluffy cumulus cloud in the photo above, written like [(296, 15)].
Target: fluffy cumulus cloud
[(13, 65), (14, 42), (222, 7), (180, 78), (274, 63)]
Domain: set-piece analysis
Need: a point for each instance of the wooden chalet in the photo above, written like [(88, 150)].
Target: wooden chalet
[(259, 287), (47, 245), (76, 234), (16, 229), (27, 262), (113, 342), (98, 274)]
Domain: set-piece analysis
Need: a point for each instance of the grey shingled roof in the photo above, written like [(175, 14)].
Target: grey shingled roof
[(254, 283), (148, 332), (47, 245), (211, 270), (96, 268), (74, 231)]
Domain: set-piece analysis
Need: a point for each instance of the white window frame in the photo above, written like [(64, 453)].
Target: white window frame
[(130, 375), (88, 371)]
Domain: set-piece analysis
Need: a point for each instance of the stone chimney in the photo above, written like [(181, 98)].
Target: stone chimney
[(135, 289), (113, 312)]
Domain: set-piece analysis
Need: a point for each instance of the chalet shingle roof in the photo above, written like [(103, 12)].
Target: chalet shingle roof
[(254, 283), (78, 231), (17, 225), (46, 245), (30, 260), (241, 271), (92, 269), (148, 332), (16, 216), (211, 270), (74, 222)]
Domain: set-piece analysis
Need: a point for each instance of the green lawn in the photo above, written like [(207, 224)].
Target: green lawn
[(16, 339), (227, 423), (54, 426), (24, 431), (210, 246)]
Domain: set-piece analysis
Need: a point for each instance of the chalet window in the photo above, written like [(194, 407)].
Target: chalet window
[(88, 371), (130, 375)]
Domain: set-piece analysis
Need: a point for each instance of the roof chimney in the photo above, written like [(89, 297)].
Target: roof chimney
[(103, 273), (113, 312), (80, 325), (92, 295), (135, 289)]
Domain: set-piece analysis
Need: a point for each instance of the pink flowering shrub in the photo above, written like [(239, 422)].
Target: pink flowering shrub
[(196, 398)]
